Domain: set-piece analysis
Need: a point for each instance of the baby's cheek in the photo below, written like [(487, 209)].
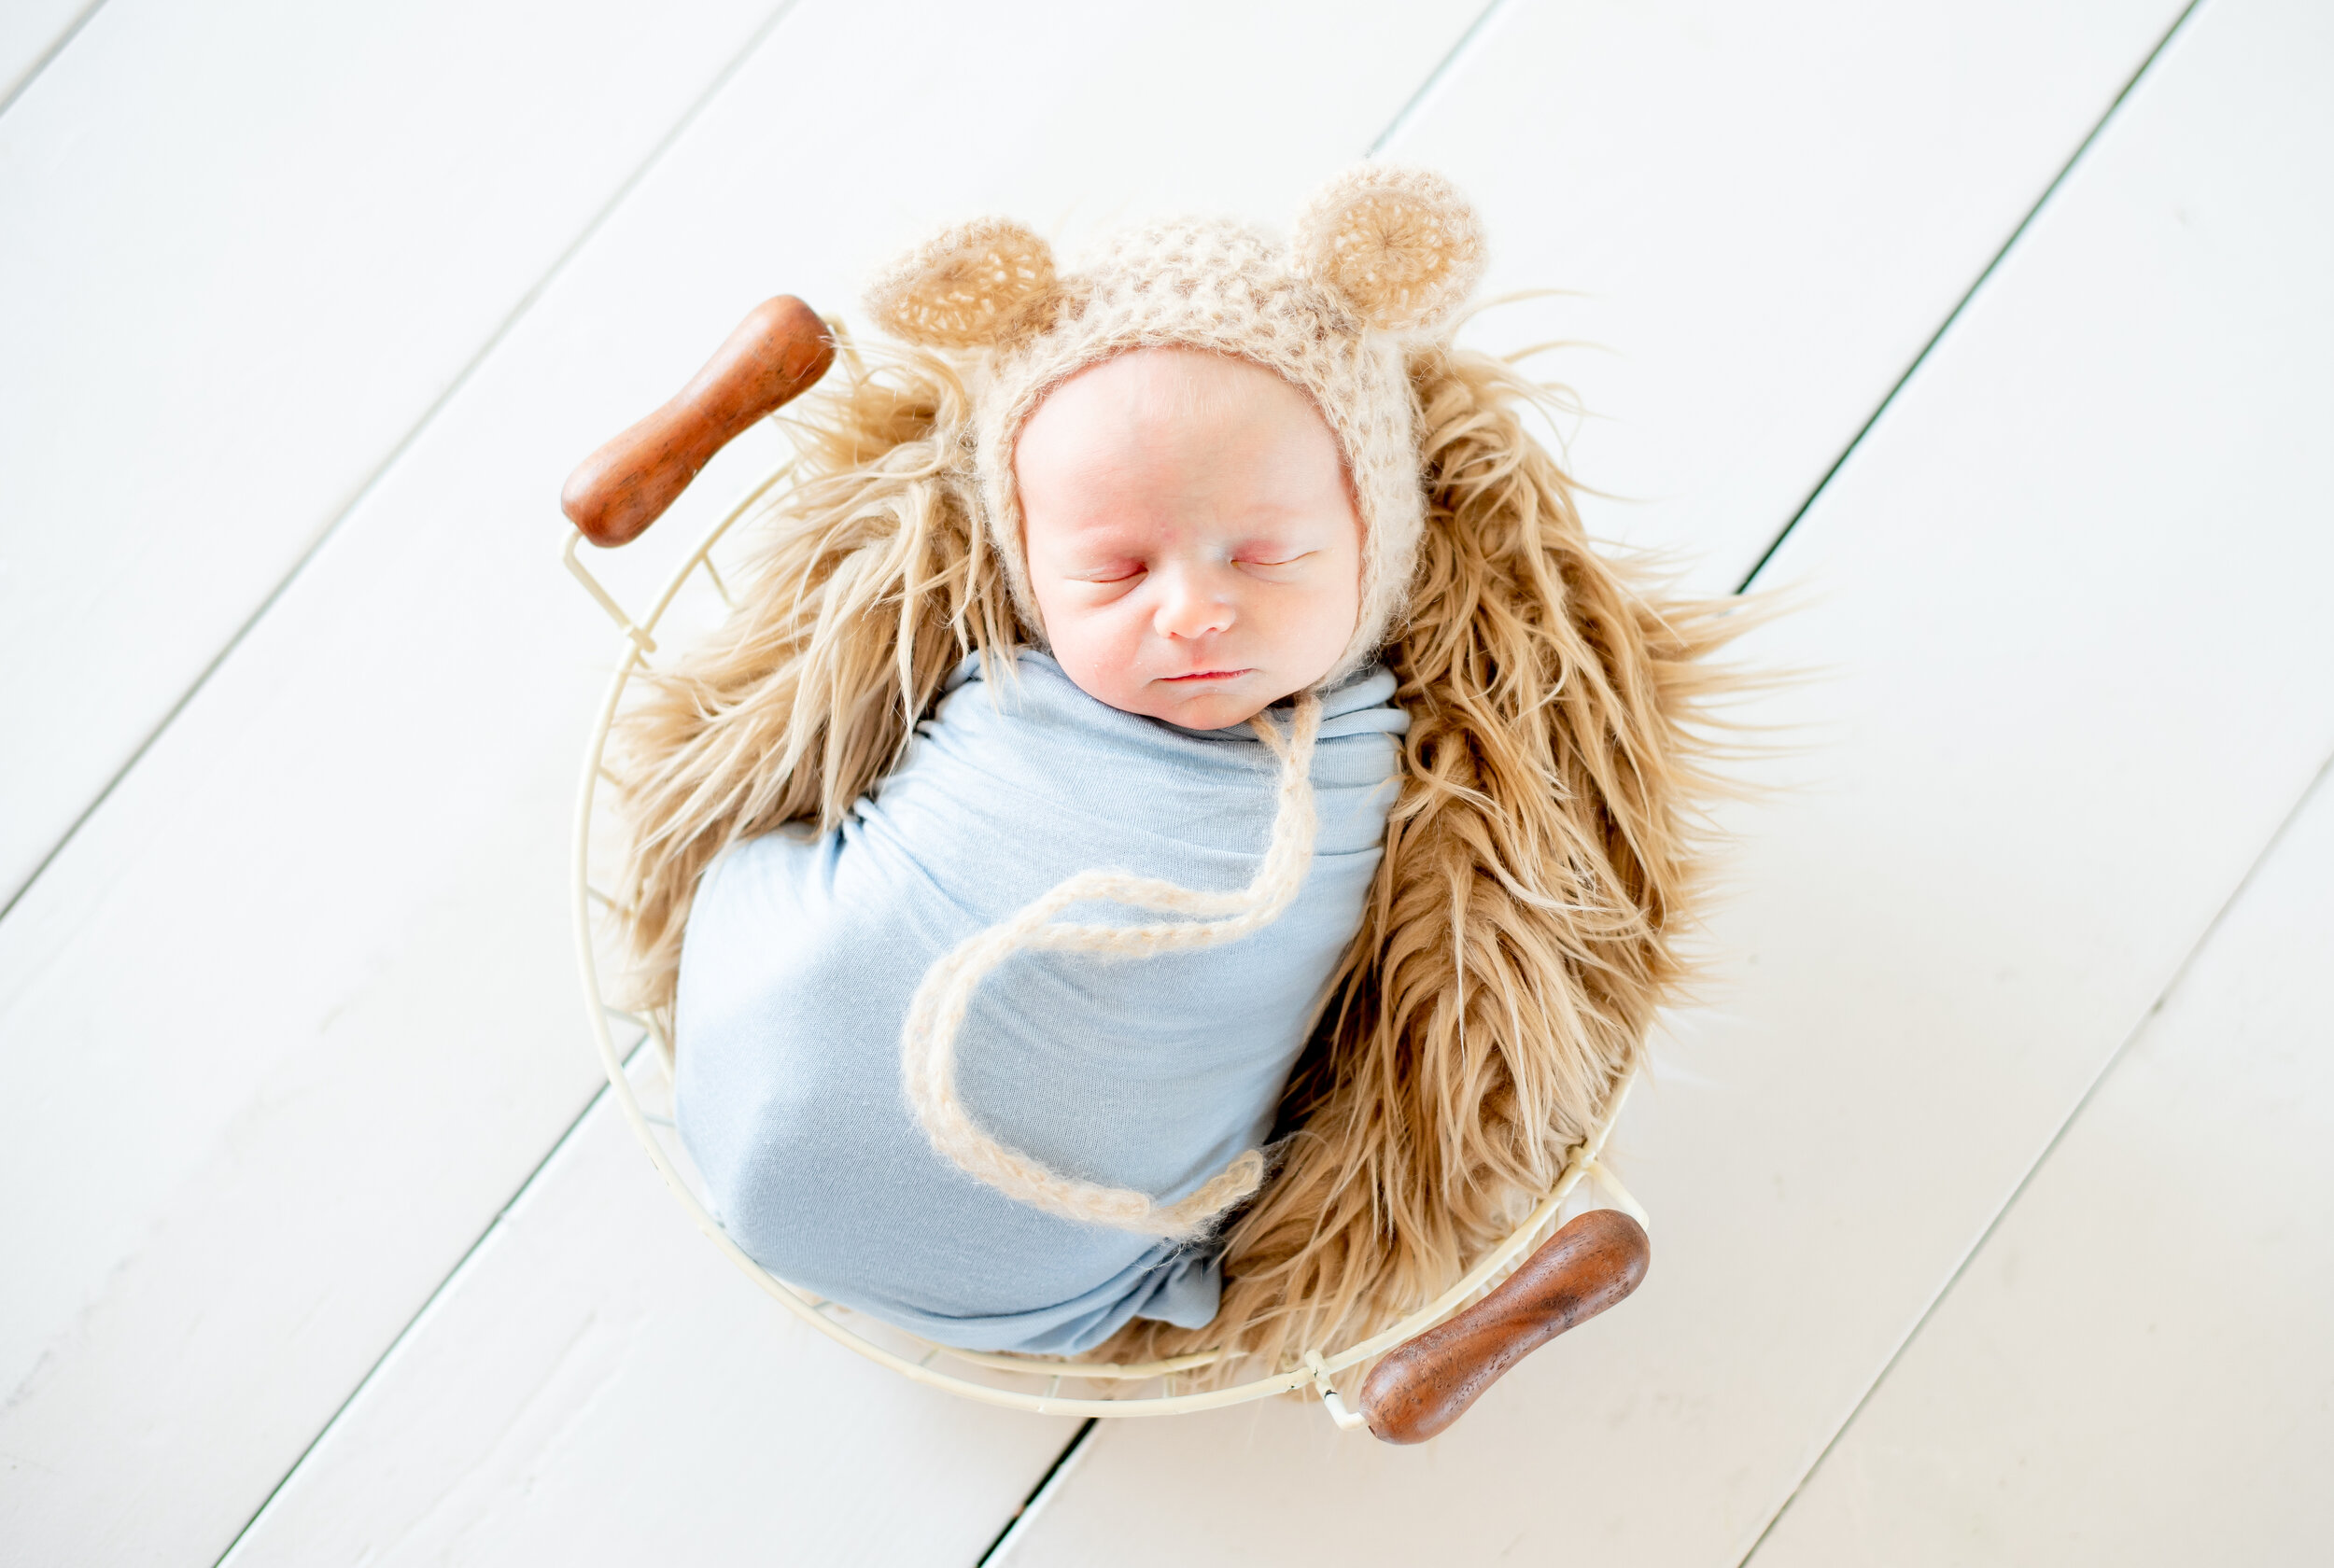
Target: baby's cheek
[(1084, 646), (1313, 624)]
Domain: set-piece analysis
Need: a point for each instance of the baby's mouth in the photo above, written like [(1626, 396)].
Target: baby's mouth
[(1206, 675)]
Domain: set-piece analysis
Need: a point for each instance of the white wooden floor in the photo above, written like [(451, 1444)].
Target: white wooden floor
[(1994, 1186)]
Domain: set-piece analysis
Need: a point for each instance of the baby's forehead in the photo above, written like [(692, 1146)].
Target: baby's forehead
[(1162, 409), (1166, 443), (1130, 532)]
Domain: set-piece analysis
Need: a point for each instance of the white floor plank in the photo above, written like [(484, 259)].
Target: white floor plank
[(2135, 1368), (248, 246), (2069, 598), (1765, 215), (599, 1386), (294, 1015), (30, 30)]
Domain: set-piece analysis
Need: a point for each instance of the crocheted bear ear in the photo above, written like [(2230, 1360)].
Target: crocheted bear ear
[(1398, 245), (962, 287)]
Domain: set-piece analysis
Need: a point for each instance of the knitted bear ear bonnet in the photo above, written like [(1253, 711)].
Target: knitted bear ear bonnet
[(1383, 258)]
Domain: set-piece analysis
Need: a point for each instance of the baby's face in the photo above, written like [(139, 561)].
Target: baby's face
[(1191, 539)]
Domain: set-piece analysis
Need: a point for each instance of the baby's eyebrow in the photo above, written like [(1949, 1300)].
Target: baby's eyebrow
[(1106, 541), (1103, 523)]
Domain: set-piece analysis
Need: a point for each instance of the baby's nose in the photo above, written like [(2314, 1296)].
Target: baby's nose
[(1190, 609)]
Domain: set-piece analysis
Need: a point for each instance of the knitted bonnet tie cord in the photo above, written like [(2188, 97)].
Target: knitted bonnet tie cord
[(937, 1012)]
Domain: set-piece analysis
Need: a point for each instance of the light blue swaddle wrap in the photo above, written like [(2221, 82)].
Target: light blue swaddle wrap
[(802, 953)]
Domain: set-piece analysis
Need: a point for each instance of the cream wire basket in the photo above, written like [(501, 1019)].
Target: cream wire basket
[(1138, 1388)]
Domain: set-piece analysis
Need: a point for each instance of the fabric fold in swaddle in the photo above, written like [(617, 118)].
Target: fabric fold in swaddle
[(803, 953)]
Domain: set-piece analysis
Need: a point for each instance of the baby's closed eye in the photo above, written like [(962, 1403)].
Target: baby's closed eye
[(1276, 564), (1107, 571)]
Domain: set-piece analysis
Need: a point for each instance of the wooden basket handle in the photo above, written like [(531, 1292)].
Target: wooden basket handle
[(1424, 1384), (777, 352)]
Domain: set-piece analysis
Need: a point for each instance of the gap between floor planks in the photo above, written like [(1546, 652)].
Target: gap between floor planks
[(54, 47)]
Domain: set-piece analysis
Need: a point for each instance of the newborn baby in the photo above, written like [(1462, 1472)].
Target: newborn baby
[(1193, 551), (985, 976)]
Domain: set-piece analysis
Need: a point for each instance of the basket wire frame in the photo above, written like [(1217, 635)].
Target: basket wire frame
[(1319, 1367)]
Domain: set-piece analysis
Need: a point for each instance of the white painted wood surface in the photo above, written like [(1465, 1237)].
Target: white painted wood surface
[(599, 1386), (2135, 1368), (1761, 214), (248, 246), (294, 1015), (276, 208), (325, 909), (338, 1491), (2069, 596), (30, 32)]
